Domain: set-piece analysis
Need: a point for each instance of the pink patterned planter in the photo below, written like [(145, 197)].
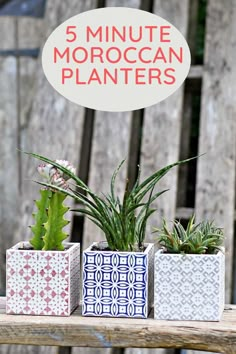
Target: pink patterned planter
[(43, 282)]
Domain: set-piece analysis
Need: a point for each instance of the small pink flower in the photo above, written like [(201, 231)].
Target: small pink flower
[(67, 165), (54, 176)]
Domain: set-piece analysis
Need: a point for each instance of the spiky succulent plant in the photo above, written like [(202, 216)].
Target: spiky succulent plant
[(200, 238), (123, 221), (49, 218)]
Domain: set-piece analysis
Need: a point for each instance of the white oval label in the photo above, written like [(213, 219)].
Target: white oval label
[(116, 59)]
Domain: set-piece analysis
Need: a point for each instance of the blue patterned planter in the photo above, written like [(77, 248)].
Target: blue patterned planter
[(118, 284)]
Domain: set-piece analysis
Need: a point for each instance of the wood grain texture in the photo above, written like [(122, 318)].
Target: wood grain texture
[(9, 158), (110, 146), (162, 131), (215, 193), (49, 124), (23, 349), (147, 351), (27, 68), (117, 332), (186, 124), (111, 135), (162, 127), (54, 125), (31, 32), (7, 32), (9, 164)]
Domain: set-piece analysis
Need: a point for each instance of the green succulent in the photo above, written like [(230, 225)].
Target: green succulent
[(49, 218), (123, 221), (200, 238)]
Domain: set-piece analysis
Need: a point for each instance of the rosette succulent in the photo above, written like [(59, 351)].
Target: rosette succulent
[(200, 238), (49, 218)]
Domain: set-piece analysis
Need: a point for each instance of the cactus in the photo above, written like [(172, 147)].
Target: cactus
[(40, 218), (54, 235), (49, 219)]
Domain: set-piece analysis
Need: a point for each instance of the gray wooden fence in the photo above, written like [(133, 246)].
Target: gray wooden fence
[(34, 117)]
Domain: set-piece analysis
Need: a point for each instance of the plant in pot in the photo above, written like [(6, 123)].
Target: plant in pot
[(43, 274), (189, 272), (118, 273)]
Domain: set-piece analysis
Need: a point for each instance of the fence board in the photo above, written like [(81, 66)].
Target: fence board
[(27, 67), (162, 125), (162, 129), (9, 167), (52, 127), (215, 191), (9, 181), (216, 170), (110, 146), (147, 351), (33, 26), (187, 105)]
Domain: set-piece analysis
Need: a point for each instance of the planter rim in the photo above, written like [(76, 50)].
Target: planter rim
[(71, 246), (148, 248), (185, 255)]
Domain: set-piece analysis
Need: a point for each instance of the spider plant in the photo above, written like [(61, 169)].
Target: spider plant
[(200, 238), (123, 221)]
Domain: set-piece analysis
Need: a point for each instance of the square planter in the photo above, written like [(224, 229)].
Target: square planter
[(189, 287), (42, 282), (118, 284)]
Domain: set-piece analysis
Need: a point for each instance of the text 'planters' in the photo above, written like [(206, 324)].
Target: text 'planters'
[(43, 282), (118, 284)]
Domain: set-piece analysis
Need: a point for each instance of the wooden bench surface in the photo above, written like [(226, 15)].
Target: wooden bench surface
[(119, 332)]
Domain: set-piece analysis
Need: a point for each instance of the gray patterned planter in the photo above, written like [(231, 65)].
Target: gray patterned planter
[(118, 284), (189, 287)]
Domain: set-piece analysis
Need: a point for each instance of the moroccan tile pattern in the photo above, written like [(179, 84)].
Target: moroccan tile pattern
[(116, 283), (189, 287), (42, 282)]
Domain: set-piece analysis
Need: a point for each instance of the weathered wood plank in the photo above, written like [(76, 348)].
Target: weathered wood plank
[(187, 105), (162, 125), (196, 72), (117, 332), (161, 130), (27, 67), (7, 33), (9, 164), (31, 32), (147, 351), (53, 127), (216, 170), (111, 134), (49, 124), (110, 146)]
